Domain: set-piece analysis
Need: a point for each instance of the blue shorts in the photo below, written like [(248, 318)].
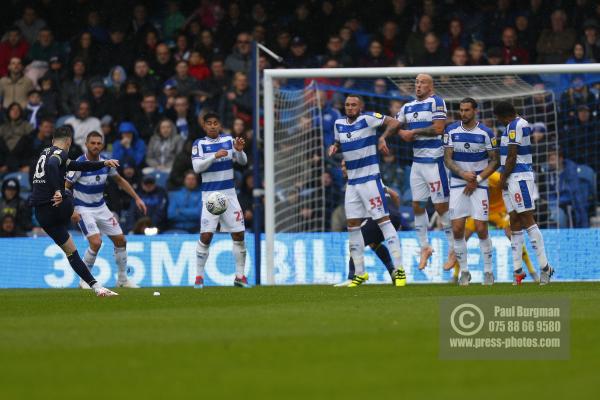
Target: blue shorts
[(56, 220)]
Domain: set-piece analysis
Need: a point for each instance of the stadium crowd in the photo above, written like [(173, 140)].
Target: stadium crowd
[(142, 73)]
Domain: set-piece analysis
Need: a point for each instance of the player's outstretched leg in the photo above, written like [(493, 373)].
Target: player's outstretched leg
[(537, 242), (89, 257), (82, 270)]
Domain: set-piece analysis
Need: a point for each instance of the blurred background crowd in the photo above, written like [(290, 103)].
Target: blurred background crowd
[(143, 72)]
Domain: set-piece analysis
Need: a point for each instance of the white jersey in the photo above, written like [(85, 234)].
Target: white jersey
[(518, 132), (219, 176), (470, 149), (421, 114), (88, 187), (358, 142)]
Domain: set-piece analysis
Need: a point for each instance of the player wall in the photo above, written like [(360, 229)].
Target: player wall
[(304, 258)]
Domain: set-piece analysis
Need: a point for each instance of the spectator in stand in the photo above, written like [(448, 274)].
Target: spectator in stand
[(233, 23), (8, 227), (74, 89), (13, 46), (512, 52), (185, 83), (30, 146), (237, 102), (146, 48), (477, 53), (375, 57), (217, 84), (283, 41), (49, 95), (349, 43), (434, 54), (185, 205), (207, 45), (129, 146), (147, 117), (455, 37), (182, 163), (174, 19), (577, 94), (415, 48), (4, 159), (45, 47), (101, 101), (578, 57), (333, 196), (184, 119), (115, 80), (164, 145), (30, 24), (128, 103), (108, 129), (459, 57), (570, 197), (15, 86), (95, 27), (83, 123), (116, 52), (35, 110), (495, 56), (85, 49), (197, 66), (241, 59), (181, 52), (13, 129), (12, 204), (555, 44), (56, 72), (246, 198), (526, 36), (144, 78), (157, 203), (336, 51), (496, 19), (299, 57), (591, 40), (580, 139), (163, 65)]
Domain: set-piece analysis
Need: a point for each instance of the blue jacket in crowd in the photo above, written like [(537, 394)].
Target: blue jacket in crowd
[(137, 149), (570, 194), (184, 209)]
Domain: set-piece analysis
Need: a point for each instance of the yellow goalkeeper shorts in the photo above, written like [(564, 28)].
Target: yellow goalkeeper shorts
[(499, 219)]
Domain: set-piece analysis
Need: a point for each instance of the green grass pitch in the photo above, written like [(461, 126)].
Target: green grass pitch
[(303, 342)]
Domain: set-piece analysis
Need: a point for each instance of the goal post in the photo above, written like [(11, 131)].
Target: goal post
[(488, 83)]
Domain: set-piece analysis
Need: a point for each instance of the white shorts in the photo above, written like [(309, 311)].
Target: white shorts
[(366, 200), (429, 181), (98, 220), (475, 206), (520, 196), (232, 220)]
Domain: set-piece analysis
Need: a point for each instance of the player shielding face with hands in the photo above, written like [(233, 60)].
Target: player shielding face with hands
[(517, 181), (471, 156), (356, 137), (213, 156), (53, 203), (92, 215), (425, 119)]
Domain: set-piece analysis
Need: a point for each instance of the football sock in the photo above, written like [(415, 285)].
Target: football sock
[(357, 249), (516, 243), (201, 257), (89, 258), (80, 268), (447, 227), (385, 257), (537, 242), (460, 248), (486, 252), (421, 226), (351, 268), (393, 244), (239, 252), (121, 260)]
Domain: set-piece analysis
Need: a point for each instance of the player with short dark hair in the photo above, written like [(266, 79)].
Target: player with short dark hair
[(213, 157), (518, 183), (53, 205), (92, 215)]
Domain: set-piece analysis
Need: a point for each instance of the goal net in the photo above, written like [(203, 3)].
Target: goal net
[(301, 106)]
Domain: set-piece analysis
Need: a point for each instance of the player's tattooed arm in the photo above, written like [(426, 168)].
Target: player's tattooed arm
[(435, 129), (493, 164), (450, 164), (333, 149), (509, 165)]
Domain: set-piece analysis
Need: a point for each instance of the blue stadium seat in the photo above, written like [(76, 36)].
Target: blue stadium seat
[(23, 178), (161, 178)]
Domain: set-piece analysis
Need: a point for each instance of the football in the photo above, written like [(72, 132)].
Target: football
[(216, 203)]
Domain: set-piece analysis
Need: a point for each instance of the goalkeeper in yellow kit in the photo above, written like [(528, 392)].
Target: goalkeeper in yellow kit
[(499, 218)]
